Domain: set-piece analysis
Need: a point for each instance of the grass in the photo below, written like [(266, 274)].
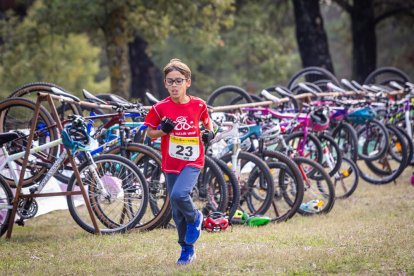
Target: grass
[(369, 233)]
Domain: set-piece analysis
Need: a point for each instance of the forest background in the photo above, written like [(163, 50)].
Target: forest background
[(121, 46)]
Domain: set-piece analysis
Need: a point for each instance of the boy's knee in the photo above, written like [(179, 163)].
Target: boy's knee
[(178, 196)]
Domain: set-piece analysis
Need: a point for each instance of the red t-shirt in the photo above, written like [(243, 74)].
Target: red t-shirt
[(182, 146)]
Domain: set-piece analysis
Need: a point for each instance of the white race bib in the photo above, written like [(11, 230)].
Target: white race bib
[(184, 148)]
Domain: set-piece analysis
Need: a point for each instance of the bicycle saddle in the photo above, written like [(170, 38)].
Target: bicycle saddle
[(151, 98), (7, 137), (112, 99), (59, 92), (92, 98)]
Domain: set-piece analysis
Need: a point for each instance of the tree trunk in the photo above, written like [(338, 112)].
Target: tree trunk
[(364, 47), (117, 53), (19, 7), (145, 76), (310, 35)]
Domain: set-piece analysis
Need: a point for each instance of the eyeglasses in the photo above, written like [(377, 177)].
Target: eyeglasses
[(178, 81)]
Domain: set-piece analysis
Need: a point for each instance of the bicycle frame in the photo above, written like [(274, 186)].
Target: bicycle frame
[(302, 120), (54, 168), (10, 158)]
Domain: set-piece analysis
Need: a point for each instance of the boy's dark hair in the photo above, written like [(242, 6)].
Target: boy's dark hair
[(177, 65)]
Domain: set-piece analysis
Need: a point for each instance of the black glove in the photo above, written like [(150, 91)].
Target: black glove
[(207, 136), (167, 125)]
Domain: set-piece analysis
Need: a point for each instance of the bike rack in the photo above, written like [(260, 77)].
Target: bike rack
[(302, 97), (40, 98)]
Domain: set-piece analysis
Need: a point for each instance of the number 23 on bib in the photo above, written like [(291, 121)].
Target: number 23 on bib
[(184, 148)]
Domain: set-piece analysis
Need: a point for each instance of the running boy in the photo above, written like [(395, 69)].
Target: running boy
[(182, 150)]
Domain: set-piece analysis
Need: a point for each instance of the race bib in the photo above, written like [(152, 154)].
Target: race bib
[(184, 148)]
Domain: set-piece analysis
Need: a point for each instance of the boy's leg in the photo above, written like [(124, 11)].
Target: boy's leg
[(187, 250), (181, 199), (178, 217)]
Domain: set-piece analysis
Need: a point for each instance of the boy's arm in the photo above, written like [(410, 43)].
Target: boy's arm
[(155, 133)]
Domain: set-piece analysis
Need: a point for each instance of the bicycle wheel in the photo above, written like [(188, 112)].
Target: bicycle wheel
[(30, 91), (256, 182), (346, 179), (17, 114), (319, 195), (387, 168), (148, 162), (6, 205), (313, 74), (288, 185), (332, 156), (240, 99), (372, 140), (346, 138), (402, 125), (384, 75), (210, 194), (311, 148), (233, 187), (121, 201), (409, 144), (225, 94)]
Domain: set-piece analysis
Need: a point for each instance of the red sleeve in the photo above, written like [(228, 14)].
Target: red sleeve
[(204, 117), (152, 119)]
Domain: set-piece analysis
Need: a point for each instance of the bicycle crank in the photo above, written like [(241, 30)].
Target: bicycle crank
[(27, 208)]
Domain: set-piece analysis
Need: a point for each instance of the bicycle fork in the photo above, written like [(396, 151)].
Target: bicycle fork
[(234, 156), (99, 184)]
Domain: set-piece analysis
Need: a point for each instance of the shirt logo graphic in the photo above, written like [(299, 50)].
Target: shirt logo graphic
[(182, 123)]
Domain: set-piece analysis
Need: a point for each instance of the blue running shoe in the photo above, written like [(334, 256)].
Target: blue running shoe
[(194, 229), (187, 255)]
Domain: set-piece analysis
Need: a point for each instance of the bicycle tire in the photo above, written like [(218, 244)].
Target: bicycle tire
[(325, 193), (228, 89), (307, 71), (6, 198), (233, 187), (237, 99), (16, 114), (248, 184), (409, 144), (210, 194), (289, 190), (378, 176), (334, 149), (346, 137), (32, 88), (211, 168), (148, 161), (316, 148), (365, 151), (397, 75), (396, 150), (106, 223), (401, 123), (347, 169)]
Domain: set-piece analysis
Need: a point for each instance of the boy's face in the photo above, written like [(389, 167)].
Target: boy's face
[(177, 91)]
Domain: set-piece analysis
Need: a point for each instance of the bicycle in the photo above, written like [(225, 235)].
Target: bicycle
[(117, 191), (283, 170), (316, 183)]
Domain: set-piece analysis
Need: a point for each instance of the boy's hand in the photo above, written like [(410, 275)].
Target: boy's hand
[(167, 125), (207, 136)]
